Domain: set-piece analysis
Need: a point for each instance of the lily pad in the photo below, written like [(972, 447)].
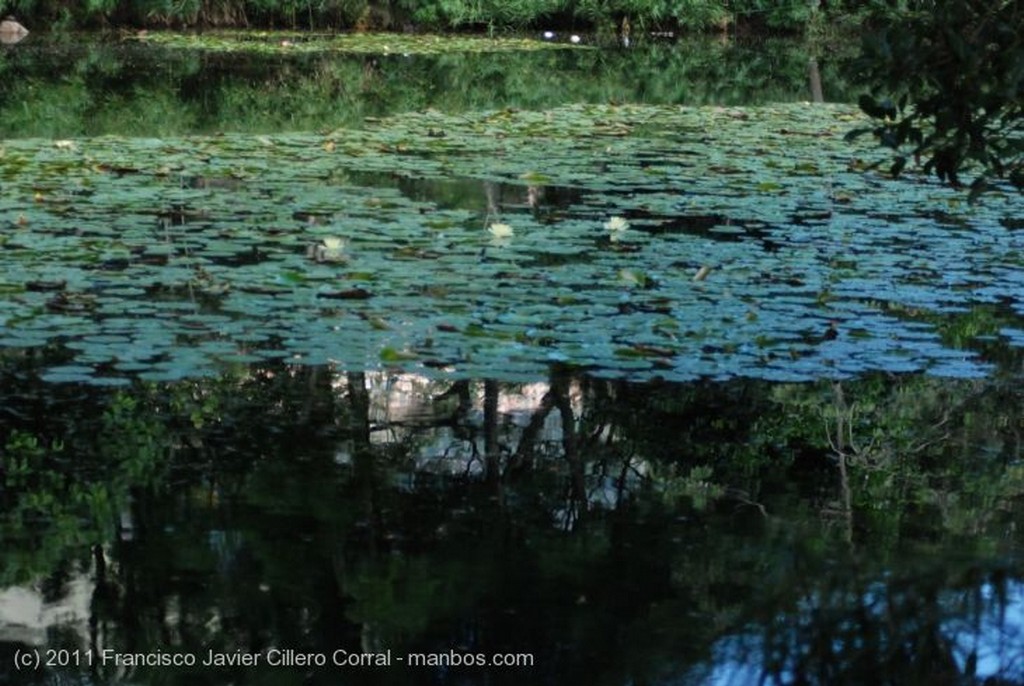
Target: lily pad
[(282, 42), (794, 283)]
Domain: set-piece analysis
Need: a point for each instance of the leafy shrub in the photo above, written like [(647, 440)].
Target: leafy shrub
[(947, 82), (792, 15)]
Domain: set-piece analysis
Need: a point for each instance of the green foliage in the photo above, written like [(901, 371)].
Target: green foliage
[(300, 534), (496, 13), (42, 507), (947, 83), (100, 7), (23, 456), (914, 452), (653, 14), (696, 486), (787, 14), (134, 438), (255, 84), (604, 15), (21, 8)]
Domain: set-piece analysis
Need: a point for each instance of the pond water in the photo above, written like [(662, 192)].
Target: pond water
[(78, 87), (494, 366)]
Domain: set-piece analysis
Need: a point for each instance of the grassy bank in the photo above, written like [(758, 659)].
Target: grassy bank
[(589, 15)]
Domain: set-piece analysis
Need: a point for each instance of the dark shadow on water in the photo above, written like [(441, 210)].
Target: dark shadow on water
[(601, 531), (488, 198)]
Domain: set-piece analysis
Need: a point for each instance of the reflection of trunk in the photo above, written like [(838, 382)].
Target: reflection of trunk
[(842, 416), (492, 454), (814, 75), (359, 410), (310, 396), (315, 404), (491, 191), (524, 455), (578, 491), (104, 602), (461, 391), (365, 472)]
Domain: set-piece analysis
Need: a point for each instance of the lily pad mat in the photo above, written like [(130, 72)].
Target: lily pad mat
[(281, 42), (755, 244)]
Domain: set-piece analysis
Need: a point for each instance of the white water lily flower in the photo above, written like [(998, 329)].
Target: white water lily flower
[(499, 230), (616, 224), (633, 277), (615, 227), (333, 249), (327, 250)]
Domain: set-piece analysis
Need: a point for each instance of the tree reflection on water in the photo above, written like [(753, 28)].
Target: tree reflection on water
[(618, 533)]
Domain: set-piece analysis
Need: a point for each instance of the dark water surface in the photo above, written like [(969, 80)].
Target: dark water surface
[(590, 531), (309, 524)]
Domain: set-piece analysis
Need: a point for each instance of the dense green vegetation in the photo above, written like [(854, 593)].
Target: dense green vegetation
[(791, 15), (948, 81), (946, 75)]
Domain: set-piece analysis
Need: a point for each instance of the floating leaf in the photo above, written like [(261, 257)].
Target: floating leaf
[(390, 355), (184, 253), (535, 178)]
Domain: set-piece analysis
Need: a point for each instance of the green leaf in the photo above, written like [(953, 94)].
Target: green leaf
[(390, 355)]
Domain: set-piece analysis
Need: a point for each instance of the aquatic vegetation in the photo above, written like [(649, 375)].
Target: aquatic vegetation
[(278, 42), (438, 14), (757, 246), (329, 249), (148, 90), (499, 230), (616, 227), (616, 224)]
